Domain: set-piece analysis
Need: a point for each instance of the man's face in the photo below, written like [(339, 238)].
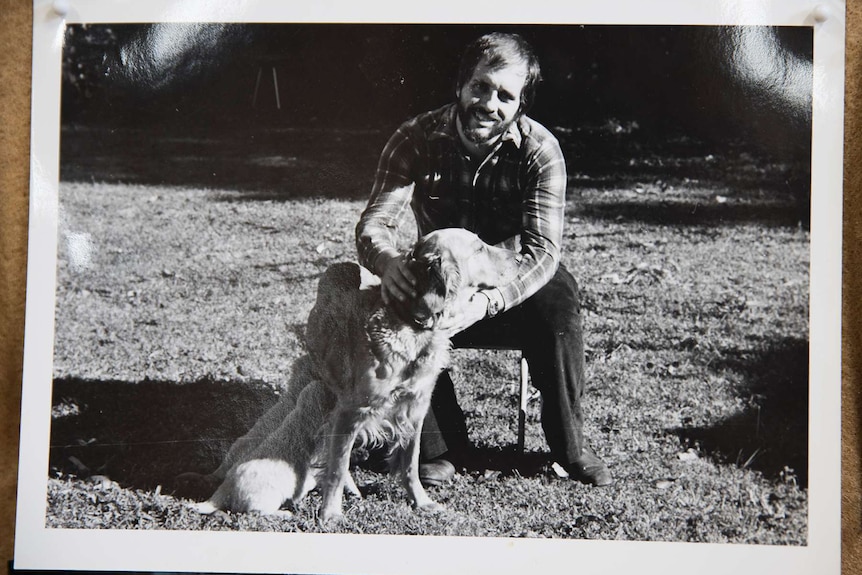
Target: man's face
[(490, 100)]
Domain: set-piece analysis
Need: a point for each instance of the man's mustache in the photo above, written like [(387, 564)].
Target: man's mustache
[(481, 114)]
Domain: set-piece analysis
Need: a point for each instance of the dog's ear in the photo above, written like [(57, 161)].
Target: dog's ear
[(414, 266), (448, 277), (428, 274)]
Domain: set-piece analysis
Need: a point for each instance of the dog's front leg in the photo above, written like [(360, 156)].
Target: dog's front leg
[(409, 462), (345, 426)]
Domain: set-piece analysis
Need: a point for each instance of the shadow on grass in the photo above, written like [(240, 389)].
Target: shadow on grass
[(771, 434), (263, 164), (278, 164), (507, 461), (690, 214), (504, 461), (144, 434)]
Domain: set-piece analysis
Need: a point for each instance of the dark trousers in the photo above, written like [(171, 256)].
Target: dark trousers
[(547, 327)]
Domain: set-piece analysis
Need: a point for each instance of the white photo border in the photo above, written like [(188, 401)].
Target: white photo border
[(39, 547)]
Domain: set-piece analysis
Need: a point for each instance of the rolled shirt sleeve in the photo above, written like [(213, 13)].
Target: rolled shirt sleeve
[(541, 236), (390, 197)]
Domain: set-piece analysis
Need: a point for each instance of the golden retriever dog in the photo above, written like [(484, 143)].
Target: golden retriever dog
[(367, 380)]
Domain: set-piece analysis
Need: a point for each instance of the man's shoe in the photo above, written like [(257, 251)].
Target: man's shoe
[(436, 472), (590, 469)]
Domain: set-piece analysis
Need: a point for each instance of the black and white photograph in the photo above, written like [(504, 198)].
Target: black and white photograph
[(471, 283)]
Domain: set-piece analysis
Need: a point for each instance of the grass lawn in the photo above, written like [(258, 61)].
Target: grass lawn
[(182, 299)]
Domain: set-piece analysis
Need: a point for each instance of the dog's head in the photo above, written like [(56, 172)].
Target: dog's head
[(449, 261)]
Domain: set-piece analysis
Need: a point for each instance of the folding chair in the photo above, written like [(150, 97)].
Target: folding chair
[(267, 62)]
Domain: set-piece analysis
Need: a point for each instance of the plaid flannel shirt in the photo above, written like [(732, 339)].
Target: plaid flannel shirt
[(515, 199)]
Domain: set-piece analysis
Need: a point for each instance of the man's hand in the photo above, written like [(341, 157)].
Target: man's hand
[(473, 307), (396, 281)]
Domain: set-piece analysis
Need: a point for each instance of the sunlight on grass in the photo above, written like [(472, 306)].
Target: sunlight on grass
[(190, 308)]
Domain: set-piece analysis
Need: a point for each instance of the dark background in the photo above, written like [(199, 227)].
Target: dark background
[(668, 80)]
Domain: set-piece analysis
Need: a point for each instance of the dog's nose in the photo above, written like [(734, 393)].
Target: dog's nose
[(423, 321)]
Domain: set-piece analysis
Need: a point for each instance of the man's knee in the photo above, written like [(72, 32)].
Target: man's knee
[(557, 306)]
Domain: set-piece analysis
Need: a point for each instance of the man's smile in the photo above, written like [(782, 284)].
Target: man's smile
[(483, 118)]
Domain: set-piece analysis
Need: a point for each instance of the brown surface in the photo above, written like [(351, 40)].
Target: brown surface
[(16, 32), (15, 55), (851, 496)]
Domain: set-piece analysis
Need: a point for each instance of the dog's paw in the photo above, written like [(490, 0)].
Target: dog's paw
[(350, 487), (328, 517), (204, 508)]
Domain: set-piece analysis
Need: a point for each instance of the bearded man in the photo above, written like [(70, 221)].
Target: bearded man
[(482, 164)]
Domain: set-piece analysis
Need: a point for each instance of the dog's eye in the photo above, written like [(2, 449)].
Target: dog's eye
[(480, 247)]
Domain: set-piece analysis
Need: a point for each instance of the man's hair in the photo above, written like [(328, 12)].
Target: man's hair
[(502, 49)]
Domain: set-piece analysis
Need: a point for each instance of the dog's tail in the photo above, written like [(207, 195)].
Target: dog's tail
[(337, 279), (337, 288), (221, 500), (330, 320)]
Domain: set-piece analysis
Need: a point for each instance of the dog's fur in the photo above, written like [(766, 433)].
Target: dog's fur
[(367, 380)]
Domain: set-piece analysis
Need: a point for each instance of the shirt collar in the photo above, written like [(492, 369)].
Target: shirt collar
[(446, 128)]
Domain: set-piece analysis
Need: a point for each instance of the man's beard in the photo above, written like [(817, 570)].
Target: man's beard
[(474, 132)]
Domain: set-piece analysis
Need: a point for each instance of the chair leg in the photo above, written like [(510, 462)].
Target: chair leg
[(275, 85), (256, 87), (522, 404)]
